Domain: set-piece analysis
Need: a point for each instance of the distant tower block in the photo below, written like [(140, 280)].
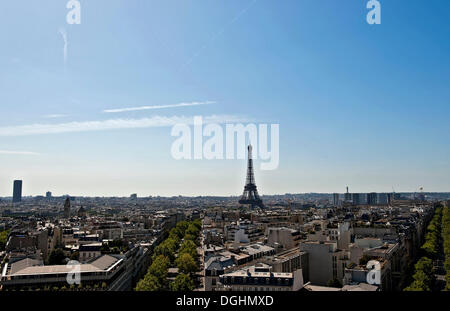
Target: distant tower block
[(67, 208), (17, 191), (250, 195)]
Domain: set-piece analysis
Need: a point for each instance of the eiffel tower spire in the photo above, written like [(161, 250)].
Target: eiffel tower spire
[(250, 195)]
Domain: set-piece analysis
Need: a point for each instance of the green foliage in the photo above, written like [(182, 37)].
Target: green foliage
[(164, 257), (148, 284), (431, 246), (115, 247), (190, 248), (167, 248), (3, 239), (182, 283), (159, 268), (424, 278), (182, 226), (364, 260), (198, 224), (175, 234), (186, 264), (56, 257), (192, 230), (446, 238), (115, 250), (75, 256)]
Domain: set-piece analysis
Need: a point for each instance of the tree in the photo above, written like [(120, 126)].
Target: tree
[(192, 230), (3, 239), (182, 283), (364, 260), (429, 248), (56, 257), (186, 264), (75, 256), (191, 238), (115, 250), (423, 276), (182, 226), (190, 248), (176, 233), (149, 283), (167, 248), (159, 268), (198, 223)]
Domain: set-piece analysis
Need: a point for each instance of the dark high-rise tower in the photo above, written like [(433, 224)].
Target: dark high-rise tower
[(347, 196), (67, 208), (17, 191), (250, 195)]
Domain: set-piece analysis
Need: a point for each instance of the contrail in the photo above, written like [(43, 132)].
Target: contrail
[(63, 33), (219, 33), (159, 107)]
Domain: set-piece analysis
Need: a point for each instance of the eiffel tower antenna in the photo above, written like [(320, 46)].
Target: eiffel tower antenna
[(250, 195)]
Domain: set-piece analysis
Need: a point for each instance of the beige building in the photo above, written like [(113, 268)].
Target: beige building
[(261, 278), (326, 261), (285, 238)]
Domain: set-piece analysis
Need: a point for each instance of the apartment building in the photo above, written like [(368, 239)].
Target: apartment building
[(261, 278), (326, 261)]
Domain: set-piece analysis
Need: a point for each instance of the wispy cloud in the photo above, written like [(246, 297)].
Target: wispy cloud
[(63, 33), (158, 107), (55, 116), (10, 152), (112, 124)]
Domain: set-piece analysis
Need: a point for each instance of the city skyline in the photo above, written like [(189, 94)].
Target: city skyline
[(87, 109), (51, 194)]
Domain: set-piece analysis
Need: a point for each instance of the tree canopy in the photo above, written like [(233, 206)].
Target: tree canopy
[(182, 283), (186, 264), (56, 257), (149, 283)]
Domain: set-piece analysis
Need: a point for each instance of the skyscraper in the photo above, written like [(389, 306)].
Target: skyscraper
[(17, 191), (383, 198), (67, 208), (359, 198), (335, 199), (48, 194), (372, 198), (347, 196)]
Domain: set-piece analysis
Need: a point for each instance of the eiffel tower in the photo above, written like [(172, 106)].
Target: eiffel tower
[(250, 195)]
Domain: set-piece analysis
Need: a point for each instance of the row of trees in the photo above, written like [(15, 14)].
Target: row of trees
[(431, 246), (423, 277), (3, 237), (82, 287), (178, 250), (446, 237)]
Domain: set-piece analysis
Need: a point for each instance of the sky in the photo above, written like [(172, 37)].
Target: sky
[(88, 109)]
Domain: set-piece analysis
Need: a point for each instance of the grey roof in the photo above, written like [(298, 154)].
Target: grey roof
[(101, 264), (104, 262), (24, 263), (218, 263)]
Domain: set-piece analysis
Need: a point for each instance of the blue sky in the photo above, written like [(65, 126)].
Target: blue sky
[(360, 105)]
